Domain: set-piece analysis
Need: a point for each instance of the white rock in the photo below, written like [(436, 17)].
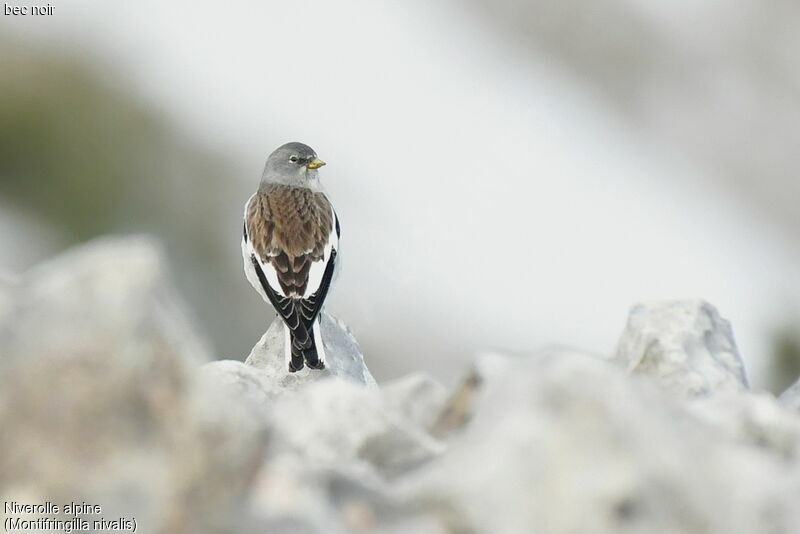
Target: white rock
[(486, 370), (335, 422), (334, 445), (685, 345), (756, 420), (791, 397), (112, 295), (417, 397), (568, 443), (103, 399), (101, 403), (344, 358)]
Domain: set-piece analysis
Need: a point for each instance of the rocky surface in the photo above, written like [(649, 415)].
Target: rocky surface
[(344, 359), (100, 401), (562, 432), (109, 396), (685, 345)]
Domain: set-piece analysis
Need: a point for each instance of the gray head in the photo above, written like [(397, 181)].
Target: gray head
[(292, 164)]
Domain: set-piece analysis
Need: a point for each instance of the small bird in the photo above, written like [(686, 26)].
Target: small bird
[(289, 246)]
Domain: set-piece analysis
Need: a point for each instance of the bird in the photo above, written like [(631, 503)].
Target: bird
[(289, 247)]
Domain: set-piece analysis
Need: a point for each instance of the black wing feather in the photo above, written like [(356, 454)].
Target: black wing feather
[(285, 307), (311, 306)]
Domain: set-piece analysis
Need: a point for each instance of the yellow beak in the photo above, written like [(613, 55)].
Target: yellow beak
[(315, 164)]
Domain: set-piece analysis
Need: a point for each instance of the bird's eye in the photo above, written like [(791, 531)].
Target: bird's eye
[(293, 159)]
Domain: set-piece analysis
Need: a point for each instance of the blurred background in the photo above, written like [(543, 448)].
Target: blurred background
[(508, 174)]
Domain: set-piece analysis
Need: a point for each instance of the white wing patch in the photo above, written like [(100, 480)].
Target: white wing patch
[(249, 270), (317, 270)]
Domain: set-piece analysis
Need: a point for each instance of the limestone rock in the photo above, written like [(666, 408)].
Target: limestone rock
[(560, 432), (684, 345), (344, 358), (106, 398), (243, 381), (417, 397), (334, 421), (111, 295), (757, 420), (101, 403), (335, 446)]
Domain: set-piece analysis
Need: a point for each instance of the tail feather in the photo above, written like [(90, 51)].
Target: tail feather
[(306, 352)]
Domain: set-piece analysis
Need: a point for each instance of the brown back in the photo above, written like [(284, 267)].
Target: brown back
[(289, 227)]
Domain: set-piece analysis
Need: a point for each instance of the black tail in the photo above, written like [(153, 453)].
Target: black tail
[(304, 350), (299, 315)]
